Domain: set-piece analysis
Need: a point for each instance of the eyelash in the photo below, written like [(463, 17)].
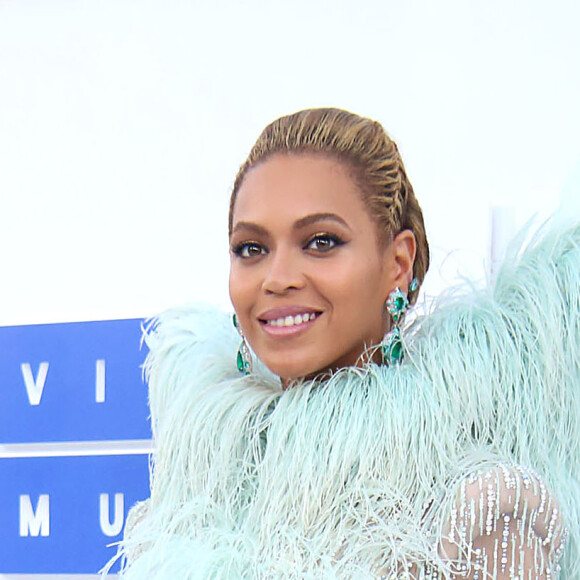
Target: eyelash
[(242, 249), (239, 249), (336, 241)]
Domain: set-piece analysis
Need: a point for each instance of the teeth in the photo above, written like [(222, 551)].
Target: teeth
[(292, 320)]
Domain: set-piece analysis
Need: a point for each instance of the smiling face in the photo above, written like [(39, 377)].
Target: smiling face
[(309, 277)]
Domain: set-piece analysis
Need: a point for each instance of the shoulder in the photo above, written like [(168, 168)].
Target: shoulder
[(505, 523), (183, 344), (187, 327)]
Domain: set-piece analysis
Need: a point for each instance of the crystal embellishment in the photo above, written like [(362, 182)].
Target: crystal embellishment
[(397, 304), (244, 359), (393, 347)]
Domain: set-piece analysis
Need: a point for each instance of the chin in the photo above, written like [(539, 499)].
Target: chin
[(289, 370)]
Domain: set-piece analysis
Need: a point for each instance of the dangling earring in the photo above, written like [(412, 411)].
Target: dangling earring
[(397, 304), (244, 359)]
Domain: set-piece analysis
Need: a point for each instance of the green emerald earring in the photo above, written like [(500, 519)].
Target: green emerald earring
[(397, 304), (244, 359), (392, 347)]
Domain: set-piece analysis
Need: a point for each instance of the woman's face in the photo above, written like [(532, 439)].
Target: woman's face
[(309, 277)]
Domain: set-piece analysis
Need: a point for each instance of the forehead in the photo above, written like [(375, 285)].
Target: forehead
[(295, 185)]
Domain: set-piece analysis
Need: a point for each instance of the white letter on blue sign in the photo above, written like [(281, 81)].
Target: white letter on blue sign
[(34, 388), (33, 523), (100, 381), (112, 529)]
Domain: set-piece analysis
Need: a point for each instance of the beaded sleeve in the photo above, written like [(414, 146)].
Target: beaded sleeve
[(505, 526)]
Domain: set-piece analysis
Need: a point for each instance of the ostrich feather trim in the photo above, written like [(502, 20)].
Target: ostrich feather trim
[(339, 478)]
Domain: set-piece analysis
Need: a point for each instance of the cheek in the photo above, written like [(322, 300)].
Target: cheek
[(244, 288), (357, 290), (232, 285), (357, 278), (236, 287)]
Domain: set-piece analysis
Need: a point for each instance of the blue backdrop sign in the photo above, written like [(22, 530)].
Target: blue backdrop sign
[(58, 514), (74, 438), (71, 382)]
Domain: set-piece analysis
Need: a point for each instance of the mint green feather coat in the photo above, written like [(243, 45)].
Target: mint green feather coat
[(358, 474)]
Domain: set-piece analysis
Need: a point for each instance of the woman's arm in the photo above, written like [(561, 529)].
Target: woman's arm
[(505, 526)]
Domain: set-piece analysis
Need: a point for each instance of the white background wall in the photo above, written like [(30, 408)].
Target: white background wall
[(123, 123)]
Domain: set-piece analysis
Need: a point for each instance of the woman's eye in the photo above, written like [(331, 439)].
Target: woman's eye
[(323, 242), (249, 250)]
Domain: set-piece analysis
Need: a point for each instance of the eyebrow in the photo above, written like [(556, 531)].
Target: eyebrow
[(319, 217), (301, 223)]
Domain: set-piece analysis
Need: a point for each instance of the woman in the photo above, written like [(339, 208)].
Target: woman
[(321, 456)]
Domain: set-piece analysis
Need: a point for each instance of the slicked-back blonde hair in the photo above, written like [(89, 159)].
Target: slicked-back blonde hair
[(372, 158)]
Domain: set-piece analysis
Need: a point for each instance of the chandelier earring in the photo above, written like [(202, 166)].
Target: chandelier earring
[(397, 304), (244, 359)]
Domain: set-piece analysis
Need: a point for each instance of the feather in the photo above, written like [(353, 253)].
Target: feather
[(341, 477)]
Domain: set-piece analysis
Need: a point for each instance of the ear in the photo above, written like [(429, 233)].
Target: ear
[(402, 257)]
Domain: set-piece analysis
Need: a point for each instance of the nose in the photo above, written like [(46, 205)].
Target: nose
[(284, 273)]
